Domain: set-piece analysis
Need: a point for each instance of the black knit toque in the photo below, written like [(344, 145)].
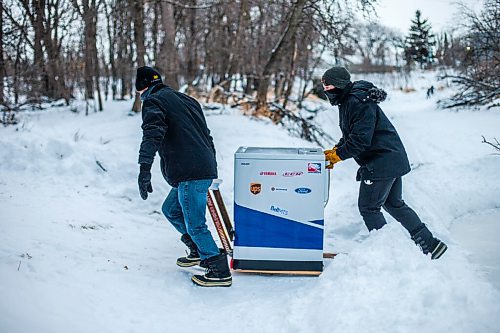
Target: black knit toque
[(146, 77), (337, 76)]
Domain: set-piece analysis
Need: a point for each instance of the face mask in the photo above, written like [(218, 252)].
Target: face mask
[(146, 94), (333, 96)]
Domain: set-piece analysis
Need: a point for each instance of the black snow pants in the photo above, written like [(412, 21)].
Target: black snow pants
[(387, 193)]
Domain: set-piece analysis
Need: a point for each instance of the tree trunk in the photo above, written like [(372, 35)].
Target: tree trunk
[(39, 67), (111, 30), (2, 64), (138, 6), (90, 43), (124, 50), (280, 51), (97, 76), (290, 76), (192, 54), (234, 58), (56, 87), (168, 59)]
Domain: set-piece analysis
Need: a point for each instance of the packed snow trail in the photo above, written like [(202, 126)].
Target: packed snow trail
[(80, 250)]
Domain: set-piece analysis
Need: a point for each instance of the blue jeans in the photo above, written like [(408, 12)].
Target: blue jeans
[(185, 208)]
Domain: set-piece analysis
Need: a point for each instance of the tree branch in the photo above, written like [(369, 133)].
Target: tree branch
[(495, 145), (207, 6)]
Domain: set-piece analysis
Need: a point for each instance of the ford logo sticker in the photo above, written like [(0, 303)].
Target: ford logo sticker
[(303, 190)]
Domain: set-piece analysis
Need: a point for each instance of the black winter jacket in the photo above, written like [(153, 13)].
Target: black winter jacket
[(368, 136), (173, 125)]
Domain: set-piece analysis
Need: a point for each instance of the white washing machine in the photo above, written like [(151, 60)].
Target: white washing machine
[(279, 199)]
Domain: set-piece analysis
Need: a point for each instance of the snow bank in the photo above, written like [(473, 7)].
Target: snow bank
[(80, 251)]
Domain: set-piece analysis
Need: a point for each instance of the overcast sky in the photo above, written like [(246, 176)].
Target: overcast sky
[(441, 13)]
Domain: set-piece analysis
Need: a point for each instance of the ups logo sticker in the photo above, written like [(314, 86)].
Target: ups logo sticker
[(255, 188)]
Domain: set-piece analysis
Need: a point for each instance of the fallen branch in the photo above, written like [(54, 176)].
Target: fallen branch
[(101, 166), (495, 145), (296, 125), (299, 126)]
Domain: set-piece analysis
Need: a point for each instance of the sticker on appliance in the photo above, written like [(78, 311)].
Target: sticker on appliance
[(282, 189), (303, 190), (314, 167), (292, 173), (255, 188), (268, 173), (278, 210)]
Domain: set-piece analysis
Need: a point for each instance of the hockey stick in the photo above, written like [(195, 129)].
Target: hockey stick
[(219, 227), (224, 214)]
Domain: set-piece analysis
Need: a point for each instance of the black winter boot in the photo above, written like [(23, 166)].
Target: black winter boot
[(217, 273), (429, 244), (193, 258)]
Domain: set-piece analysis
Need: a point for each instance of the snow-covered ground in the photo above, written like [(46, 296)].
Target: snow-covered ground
[(80, 251)]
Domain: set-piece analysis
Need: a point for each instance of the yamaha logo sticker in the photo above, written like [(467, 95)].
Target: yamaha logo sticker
[(268, 173), (303, 190), (314, 167), (255, 188)]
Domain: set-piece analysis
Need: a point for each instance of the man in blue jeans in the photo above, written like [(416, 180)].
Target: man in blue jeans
[(173, 125)]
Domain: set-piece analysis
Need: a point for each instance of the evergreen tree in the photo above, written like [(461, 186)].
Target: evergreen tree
[(419, 42)]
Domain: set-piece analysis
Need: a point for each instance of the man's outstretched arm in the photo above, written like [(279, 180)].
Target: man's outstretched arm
[(362, 125)]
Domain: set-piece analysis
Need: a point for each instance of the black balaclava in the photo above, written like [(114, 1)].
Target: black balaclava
[(336, 96)]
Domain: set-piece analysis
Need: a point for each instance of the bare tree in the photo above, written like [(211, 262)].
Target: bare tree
[(2, 63), (88, 9), (138, 8), (245, 47), (375, 44), (285, 44), (41, 27), (168, 59), (479, 72)]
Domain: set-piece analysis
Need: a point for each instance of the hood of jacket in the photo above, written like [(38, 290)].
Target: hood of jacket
[(364, 90)]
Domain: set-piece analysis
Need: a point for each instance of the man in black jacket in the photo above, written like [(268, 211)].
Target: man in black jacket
[(369, 137), (173, 125)]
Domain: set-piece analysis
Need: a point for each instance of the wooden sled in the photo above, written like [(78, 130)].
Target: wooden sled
[(225, 231)]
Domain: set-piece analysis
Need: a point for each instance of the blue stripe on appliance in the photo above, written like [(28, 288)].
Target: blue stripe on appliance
[(258, 229)]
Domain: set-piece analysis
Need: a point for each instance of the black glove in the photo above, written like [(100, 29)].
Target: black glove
[(145, 181)]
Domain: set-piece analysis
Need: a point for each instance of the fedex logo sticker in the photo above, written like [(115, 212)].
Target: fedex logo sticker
[(279, 210), (314, 167)]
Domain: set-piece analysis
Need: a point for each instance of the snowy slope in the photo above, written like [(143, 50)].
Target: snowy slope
[(80, 251)]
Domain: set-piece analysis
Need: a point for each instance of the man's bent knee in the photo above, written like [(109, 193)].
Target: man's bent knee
[(169, 212)]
